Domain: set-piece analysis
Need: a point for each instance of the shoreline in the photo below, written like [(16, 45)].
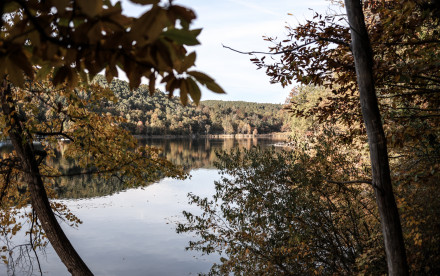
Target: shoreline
[(275, 136), (282, 136)]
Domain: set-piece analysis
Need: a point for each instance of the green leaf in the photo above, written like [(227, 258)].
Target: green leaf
[(196, 32), (64, 22), (182, 37)]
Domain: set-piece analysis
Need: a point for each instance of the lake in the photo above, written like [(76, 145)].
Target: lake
[(132, 232)]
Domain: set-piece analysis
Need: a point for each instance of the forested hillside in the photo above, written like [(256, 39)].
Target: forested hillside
[(158, 114)]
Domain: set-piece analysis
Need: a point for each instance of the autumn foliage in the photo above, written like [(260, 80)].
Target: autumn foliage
[(49, 53), (317, 54)]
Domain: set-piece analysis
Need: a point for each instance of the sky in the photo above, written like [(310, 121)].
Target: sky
[(241, 24)]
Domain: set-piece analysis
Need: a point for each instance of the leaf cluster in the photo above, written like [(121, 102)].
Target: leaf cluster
[(85, 37)]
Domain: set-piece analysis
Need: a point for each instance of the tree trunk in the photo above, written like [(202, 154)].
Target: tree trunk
[(390, 221), (40, 203)]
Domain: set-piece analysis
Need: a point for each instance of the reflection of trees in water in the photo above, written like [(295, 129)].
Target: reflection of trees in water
[(199, 153), (86, 186), (188, 153)]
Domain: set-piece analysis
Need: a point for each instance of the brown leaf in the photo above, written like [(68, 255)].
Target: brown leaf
[(90, 7), (149, 26), (60, 75), (184, 13), (194, 90), (184, 92), (188, 61), (110, 73), (152, 83), (14, 73)]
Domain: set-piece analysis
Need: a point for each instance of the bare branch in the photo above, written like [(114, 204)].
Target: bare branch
[(268, 53)]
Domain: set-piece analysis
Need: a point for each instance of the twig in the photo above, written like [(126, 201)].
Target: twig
[(268, 53), (32, 241)]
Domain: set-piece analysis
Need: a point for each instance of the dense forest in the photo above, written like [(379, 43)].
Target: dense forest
[(159, 114)]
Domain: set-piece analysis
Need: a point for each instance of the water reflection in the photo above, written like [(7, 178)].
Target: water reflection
[(189, 153), (132, 232), (200, 153)]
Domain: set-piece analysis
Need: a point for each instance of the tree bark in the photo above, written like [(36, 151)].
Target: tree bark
[(390, 221), (23, 146)]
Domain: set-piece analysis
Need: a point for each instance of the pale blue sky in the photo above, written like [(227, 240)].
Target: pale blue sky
[(241, 24)]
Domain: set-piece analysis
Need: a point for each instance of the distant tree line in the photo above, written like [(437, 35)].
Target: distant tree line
[(160, 114)]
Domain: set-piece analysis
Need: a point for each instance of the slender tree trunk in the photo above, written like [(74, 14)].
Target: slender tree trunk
[(23, 147), (390, 221)]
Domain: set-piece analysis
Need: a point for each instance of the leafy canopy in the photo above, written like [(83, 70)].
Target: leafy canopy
[(89, 36)]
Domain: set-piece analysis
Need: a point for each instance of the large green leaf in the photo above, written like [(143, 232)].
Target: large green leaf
[(182, 37)]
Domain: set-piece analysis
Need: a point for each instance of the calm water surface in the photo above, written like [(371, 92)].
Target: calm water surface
[(132, 232)]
